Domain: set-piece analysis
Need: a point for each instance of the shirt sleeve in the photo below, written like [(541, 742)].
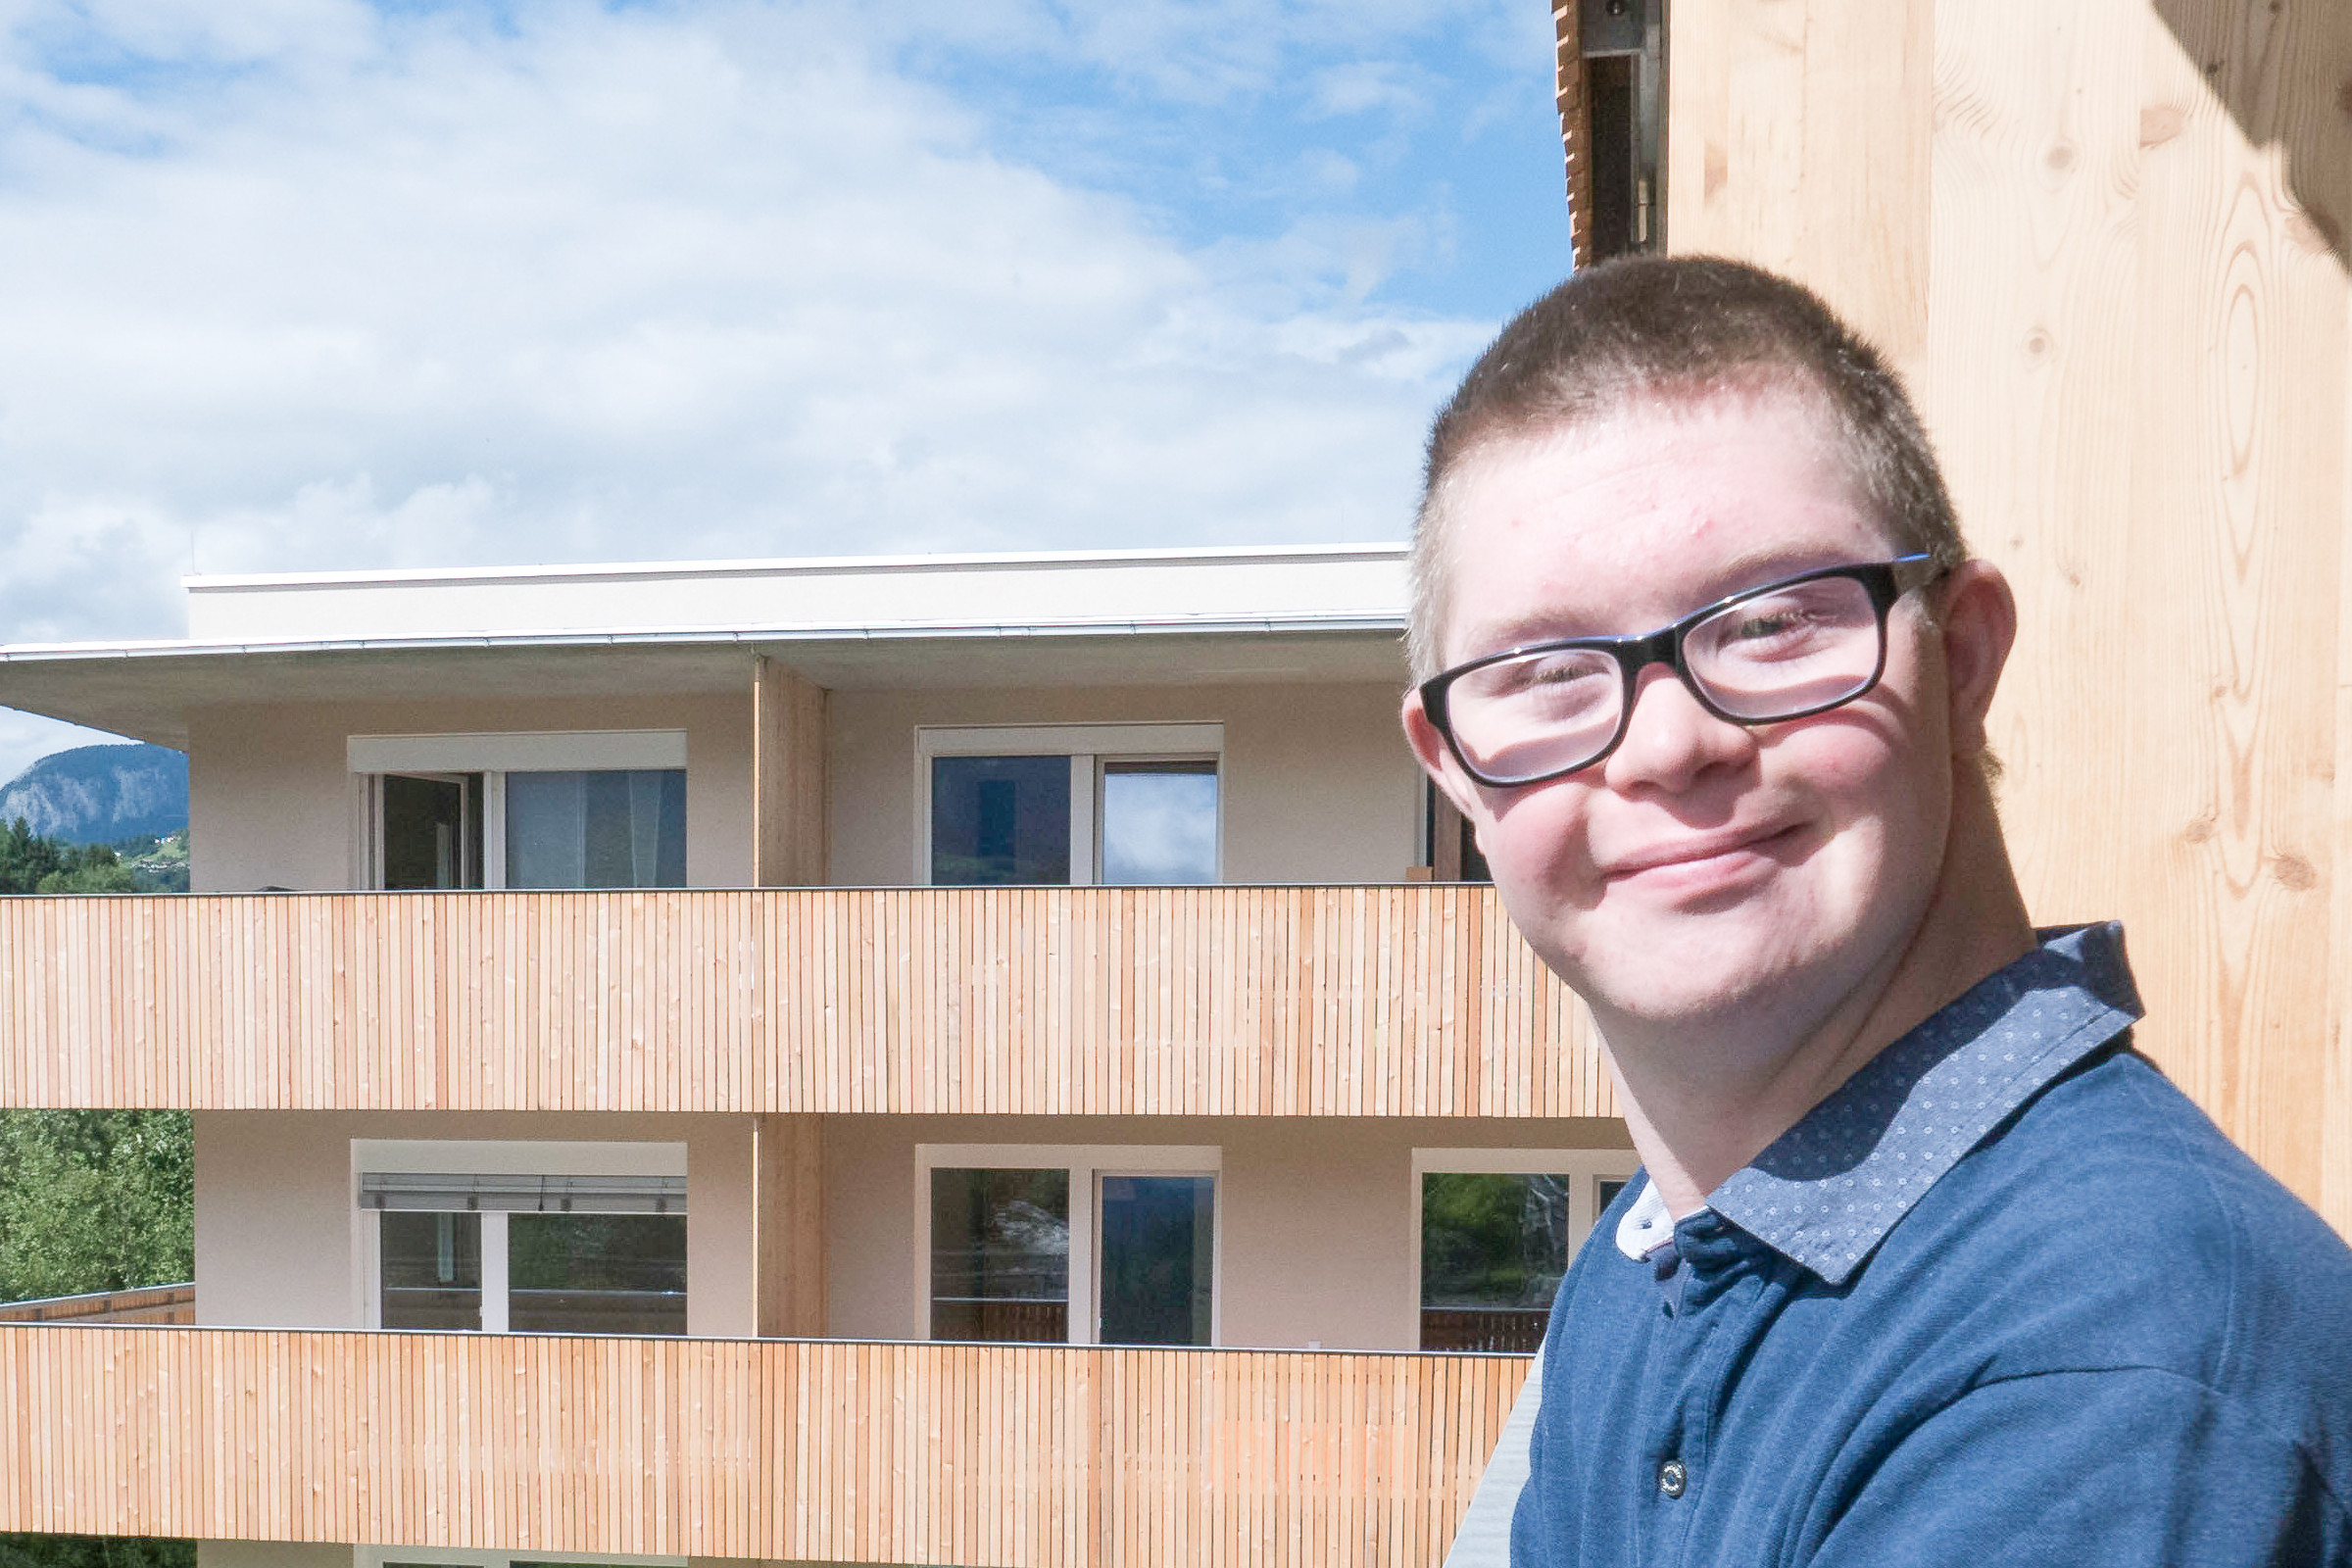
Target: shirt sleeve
[(2086, 1469)]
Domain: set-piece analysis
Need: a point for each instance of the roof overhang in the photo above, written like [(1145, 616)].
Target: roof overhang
[(1105, 618)]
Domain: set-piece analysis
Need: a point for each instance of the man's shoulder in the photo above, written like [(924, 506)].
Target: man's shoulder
[(2110, 1225), (2114, 1150)]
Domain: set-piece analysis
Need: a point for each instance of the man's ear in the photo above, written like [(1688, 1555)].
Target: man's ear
[(1435, 761), (1979, 618)]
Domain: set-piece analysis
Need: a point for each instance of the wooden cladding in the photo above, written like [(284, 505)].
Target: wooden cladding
[(788, 777), (2106, 243), (1011, 1456), (149, 1304), (1402, 1001)]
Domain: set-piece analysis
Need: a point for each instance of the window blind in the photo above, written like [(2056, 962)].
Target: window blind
[(523, 1194)]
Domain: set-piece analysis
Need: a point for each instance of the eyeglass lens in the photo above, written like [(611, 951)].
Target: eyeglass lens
[(1789, 650)]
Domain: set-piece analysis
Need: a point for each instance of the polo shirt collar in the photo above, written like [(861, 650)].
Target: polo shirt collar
[(1826, 1191)]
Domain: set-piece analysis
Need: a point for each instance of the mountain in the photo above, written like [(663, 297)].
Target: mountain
[(101, 794)]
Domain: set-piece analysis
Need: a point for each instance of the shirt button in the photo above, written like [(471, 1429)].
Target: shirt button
[(1673, 1477)]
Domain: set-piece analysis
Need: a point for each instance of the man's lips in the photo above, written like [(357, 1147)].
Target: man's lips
[(1693, 850)]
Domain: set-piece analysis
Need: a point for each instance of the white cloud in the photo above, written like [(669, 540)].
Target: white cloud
[(1363, 85), (354, 290)]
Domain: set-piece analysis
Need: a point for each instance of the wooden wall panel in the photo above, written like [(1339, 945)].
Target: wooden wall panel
[(1799, 135), (1015, 1455), (1382, 1001), (2121, 293)]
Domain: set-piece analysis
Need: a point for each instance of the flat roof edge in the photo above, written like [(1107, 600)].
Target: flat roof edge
[(797, 565), (703, 636)]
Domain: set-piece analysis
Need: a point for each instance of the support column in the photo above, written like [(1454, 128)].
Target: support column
[(788, 1225), (788, 777)]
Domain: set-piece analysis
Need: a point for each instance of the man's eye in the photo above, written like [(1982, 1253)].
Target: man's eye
[(1561, 686), (1762, 625)]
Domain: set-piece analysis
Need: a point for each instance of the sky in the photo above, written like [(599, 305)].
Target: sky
[(325, 285)]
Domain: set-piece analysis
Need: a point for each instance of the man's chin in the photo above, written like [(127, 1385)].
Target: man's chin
[(1680, 988)]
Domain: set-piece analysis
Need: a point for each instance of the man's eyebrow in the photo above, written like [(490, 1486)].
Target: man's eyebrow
[(1769, 564)]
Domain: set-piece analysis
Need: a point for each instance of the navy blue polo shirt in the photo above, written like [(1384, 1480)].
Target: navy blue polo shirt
[(2006, 1296)]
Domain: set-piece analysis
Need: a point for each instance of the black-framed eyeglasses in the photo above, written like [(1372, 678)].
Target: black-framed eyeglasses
[(1788, 650)]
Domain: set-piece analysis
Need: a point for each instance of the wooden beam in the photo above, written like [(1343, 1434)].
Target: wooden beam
[(788, 1225), (788, 777)]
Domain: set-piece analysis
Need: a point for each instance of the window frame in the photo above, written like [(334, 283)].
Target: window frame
[(1586, 1169), (370, 1557), (1088, 747), (493, 754), (489, 1158), (477, 835), (1086, 1164)]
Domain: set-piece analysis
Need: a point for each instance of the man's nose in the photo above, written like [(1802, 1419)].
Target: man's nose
[(1670, 737)]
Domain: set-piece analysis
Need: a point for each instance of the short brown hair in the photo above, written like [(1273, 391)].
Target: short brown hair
[(1684, 329)]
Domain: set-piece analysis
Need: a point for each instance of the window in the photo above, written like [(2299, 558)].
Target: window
[(602, 828), (570, 809), (431, 830), (1003, 1253), (1129, 804), (523, 1238), (1494, 1231)]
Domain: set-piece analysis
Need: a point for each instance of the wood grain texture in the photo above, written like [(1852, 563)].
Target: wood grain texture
[(150, 1303), (1376, 1001), (2115, 228), (788, 1226), (1799, 135), (788, 777), (2139, 386), (833, 1451)]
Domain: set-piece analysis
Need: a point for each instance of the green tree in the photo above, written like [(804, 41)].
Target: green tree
[(95, 1200), (31, 863), (95, 1551)]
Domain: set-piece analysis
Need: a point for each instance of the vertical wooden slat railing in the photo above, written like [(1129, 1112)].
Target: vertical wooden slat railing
[(1378, 1001), (1026, 1456), (146, 1304)]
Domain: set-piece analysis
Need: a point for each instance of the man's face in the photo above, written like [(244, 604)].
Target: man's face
[(1703, 866)]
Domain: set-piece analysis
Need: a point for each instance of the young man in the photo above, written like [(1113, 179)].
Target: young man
[(1928, 1267)]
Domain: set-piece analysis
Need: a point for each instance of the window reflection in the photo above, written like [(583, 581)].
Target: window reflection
[(432, 1271), (1492, 1251), (596, 1273), (1001, 1254), (1158, 1250), (998, 821), (1160, 821), (606, 828)]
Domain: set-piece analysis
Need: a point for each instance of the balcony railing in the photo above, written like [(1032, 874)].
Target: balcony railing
[(1402, 1001), (1013, 1455), (147, 1303)]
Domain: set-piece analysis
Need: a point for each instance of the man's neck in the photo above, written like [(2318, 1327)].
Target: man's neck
[(1698, 1109)]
